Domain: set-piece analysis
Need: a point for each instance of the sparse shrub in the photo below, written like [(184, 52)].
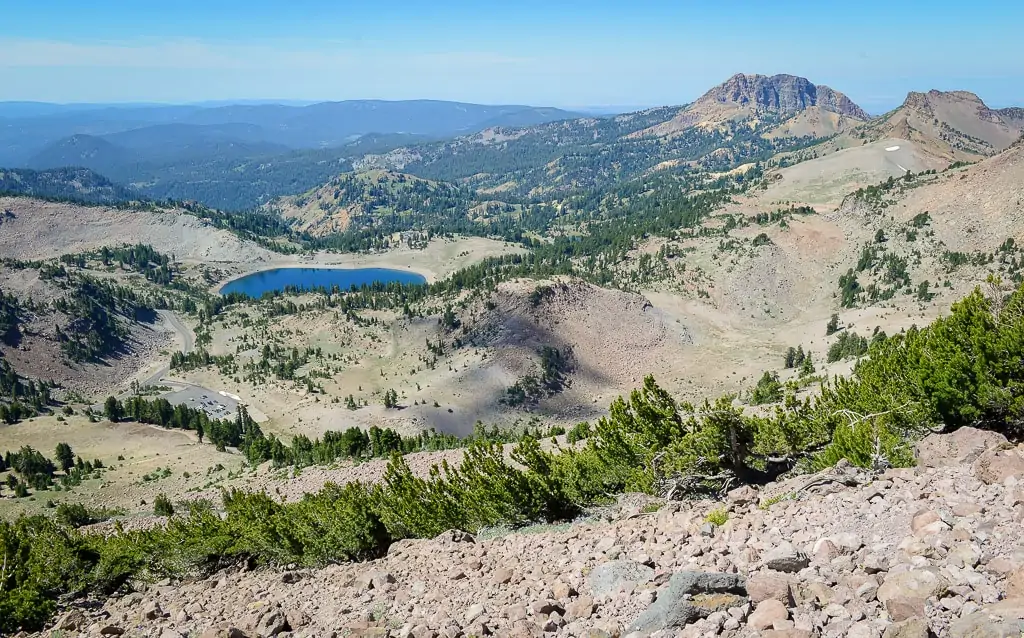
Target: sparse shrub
[(717, 516), (162, 505), (767, 390), (539, 294), (78, 515), (848, 345), (578, 432), (778, 498), (73, 515)]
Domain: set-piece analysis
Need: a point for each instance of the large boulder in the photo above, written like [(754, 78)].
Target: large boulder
[(610, 577), (691, 596), (913, 628), (960, 447), (996, 465), (1004, 619), (1015, 583), (272, 623), (914, 583), (769, 587), (904, 593), (767, 614)]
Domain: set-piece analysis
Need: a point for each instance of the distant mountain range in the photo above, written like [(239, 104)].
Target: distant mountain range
[(242, 156), (238, 155), (28, 130)]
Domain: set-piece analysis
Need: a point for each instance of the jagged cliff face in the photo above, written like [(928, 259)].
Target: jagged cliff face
[(934, 102), (784, 93), (1013, 115), (809, 109), (950, 124)]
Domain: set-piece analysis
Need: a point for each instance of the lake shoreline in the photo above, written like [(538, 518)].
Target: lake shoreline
[(342, 276), (289, 265)]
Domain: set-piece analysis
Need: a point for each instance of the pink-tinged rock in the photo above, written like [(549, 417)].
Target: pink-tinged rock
[(766, 614), (956, 448), (927, 523), (995, 466), (761, 587)]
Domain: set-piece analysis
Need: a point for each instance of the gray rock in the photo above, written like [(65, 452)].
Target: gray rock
[(455, 536), (501, 576), (152, 611), (612, 576), (1015, 583), (581, 608), (374, 579), (786, 558), (983, 625), (743, 495), (271, 624), (873, 564), (904, 607), (691, 596), (72, 621), (547, 607), (913, 628), (475, 611)]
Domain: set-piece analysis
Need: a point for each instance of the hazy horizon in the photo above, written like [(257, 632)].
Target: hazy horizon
[(568, 54)]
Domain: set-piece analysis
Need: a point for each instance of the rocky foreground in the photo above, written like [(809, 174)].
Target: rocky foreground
[(934, 550)]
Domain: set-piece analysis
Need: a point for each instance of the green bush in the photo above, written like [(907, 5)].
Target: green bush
[(73, 515), (767, 390), (718, 516), (848, 345), (578, 432), (162, 506)]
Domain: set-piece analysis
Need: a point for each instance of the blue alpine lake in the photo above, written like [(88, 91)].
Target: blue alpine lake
[(278, 279)]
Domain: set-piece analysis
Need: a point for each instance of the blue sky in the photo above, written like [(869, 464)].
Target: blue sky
[(562, 53)]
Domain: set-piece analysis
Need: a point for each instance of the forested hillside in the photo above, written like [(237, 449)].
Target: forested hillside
[(75, 184)]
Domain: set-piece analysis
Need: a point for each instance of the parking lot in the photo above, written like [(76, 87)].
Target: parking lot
[(215, 404)]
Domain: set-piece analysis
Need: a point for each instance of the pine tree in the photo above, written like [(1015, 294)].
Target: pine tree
[(833, 325), (65, 456), (807, 366)]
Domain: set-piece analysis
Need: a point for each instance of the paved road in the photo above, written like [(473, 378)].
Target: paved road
[(188, 344), (215, 403)]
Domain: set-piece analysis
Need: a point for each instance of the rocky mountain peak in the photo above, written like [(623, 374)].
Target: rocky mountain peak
[(784, 93), (924, 101), (935, 103)]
